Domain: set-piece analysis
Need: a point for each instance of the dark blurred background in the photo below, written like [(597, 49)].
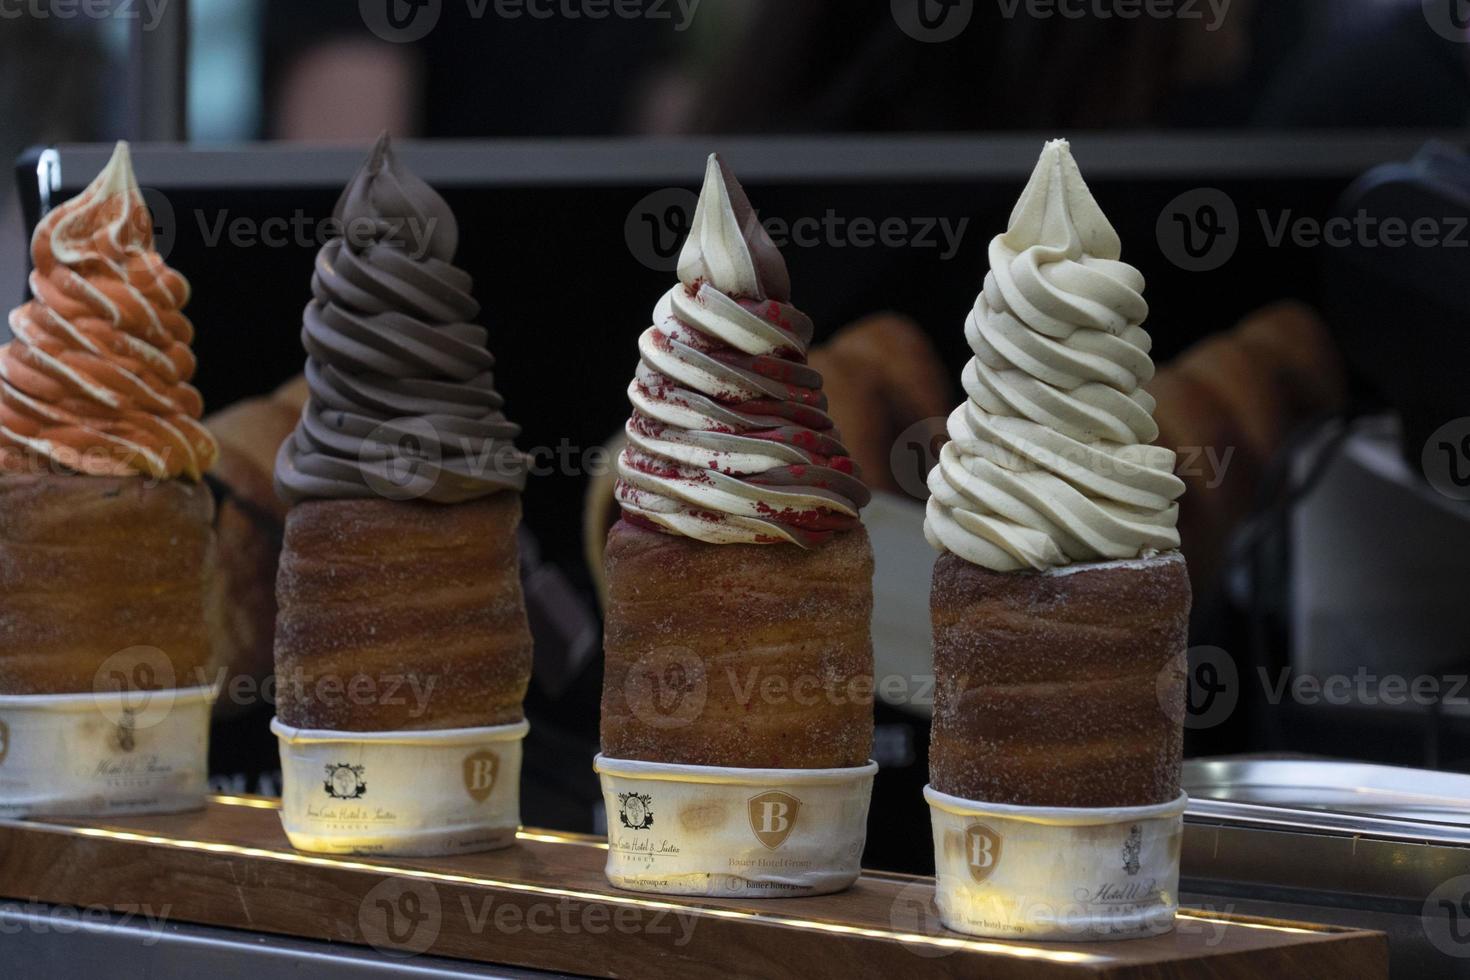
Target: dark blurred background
[(275, 69)]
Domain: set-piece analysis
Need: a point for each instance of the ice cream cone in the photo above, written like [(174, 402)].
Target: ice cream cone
[(737, 703), (105, 531), (402, 646), (1061, 604)]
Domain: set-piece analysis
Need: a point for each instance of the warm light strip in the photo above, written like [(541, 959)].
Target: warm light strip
[(1234, 923), (916, 939), (545, 838), (257, 802)]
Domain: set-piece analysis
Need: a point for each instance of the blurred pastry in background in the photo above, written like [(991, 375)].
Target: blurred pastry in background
[(249, 522), (1227, 407), (882, 375)]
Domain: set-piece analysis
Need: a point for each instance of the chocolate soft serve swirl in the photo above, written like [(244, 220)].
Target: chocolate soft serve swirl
[(96, 380), (729, 441), (403, 401), (1050, 460)]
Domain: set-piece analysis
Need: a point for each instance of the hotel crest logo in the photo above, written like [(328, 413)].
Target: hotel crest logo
[(635, 810), (345, 782), (480, 772), (982, 850), (1132, 848), (125, 738), (773, 817)]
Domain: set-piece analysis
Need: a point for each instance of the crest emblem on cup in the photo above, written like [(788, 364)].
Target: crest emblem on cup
[(635, 810), (126, 736), (982, 850), (4, 741), (345, 782), (480, 771), (1131, 850), (773, 817)]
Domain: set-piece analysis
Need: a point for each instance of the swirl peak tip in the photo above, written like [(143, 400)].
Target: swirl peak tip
[(118, 176), (385, 203), (381, 152), (727, 245), (1057, 210)]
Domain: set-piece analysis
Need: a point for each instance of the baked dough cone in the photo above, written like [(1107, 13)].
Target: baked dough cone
[(409, 595), (699, 636), (738, 686), (1060, 604), (101, 574), (1060, 690), (106, 534), (402, 646)]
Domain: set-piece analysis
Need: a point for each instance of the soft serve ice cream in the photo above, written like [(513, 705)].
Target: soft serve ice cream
[(403, 400), (1050, 460), (96, 379), (729, 440)]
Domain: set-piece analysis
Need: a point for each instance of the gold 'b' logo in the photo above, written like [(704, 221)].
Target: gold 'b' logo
[(982, 850), (773, 817), (4, 742), (480, 771)]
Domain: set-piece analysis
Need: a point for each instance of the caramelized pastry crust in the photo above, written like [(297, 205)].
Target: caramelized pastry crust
[(742, 655), (401, 615), (1062, 688), (101, 571)]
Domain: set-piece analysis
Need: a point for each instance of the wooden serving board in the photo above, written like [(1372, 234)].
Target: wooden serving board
[(545, 904)]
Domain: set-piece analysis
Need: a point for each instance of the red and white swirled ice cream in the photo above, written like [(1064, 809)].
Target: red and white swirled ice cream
[(729, 441)]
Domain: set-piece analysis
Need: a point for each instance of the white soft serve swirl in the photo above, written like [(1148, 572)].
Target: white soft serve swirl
[(729, 441), (1050, 460)]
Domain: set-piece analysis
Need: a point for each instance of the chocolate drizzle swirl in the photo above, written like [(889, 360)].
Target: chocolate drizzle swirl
[(403, 400)]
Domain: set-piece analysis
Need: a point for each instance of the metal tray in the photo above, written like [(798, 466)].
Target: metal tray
[(1354, 844), (1433, 801)]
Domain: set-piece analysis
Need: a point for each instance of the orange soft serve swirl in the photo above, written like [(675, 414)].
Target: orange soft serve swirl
[(96, 379)]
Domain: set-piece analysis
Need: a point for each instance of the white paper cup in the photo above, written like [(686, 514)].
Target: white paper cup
[(1056, 873), (108, 752), (754, 833), (411, 794)]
